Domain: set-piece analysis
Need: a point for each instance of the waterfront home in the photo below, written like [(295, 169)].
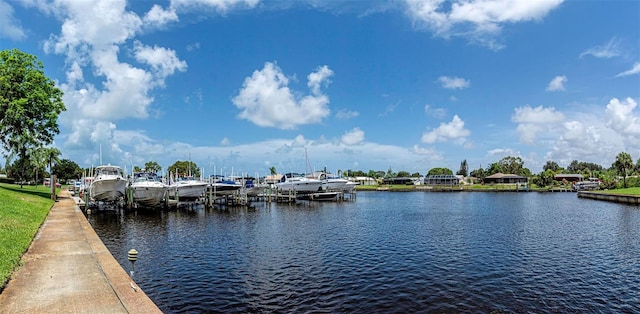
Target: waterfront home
[(398, 180), (570, 177), (272, 179), (364, 180), (447, 179), (507, 178)]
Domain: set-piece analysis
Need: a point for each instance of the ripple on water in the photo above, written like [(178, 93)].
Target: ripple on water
[(388, 253)]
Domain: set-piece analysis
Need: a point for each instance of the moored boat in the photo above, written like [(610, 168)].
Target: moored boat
[(187, 188), (299, 183), (222, 186), (148, 190), (108, 184), (335, 184)]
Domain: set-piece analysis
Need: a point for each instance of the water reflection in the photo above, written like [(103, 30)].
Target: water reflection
[(387, 252)]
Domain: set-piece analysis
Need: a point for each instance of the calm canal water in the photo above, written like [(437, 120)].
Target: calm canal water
[(388, 253)]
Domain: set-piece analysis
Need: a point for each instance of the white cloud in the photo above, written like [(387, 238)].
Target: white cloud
[(9, 25), (503, 152), (353, 137), (390, 108), (534, 122), (427, 151), (632, 71), (438, 113), (221, 6), (91, 35), (453, 82), (586, 139), (266, 100), (159, 17), (609, 50), (319, 78), (557, 83), (479, 20), (620, 117), (346, 114), (163, 61), (446, 131), (225, 141)]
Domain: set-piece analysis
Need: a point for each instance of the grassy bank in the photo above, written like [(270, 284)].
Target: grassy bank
[(627, 191), (22, 211)]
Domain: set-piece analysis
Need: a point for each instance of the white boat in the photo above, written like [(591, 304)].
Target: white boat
[(253, 189), (335, 184), (187, 188), (586, 185), (222, 186), (148, 190), (108, 184), (299, 183)]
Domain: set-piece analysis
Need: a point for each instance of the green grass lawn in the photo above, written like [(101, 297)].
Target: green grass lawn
[(22, 211), (627, 191)]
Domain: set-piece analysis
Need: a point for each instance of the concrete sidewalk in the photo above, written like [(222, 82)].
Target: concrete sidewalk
[(68, 269)]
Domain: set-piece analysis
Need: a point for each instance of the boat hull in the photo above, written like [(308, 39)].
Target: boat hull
[(107, 190), (149, 195), (310, 186), (188, 191)]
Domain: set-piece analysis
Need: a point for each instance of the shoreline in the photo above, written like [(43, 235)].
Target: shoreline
[(68, 269)]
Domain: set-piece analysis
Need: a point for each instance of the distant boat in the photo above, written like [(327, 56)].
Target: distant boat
[(108, 184), (320, 196), (586, 185), (187, 188), (299, 183), (253, 189), (335, 184), (222, 186), (148, 190)]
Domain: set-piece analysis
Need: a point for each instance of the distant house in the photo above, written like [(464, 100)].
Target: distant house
[(398, 180), (570, 177), (272, 179), (364, 180), (447, 179), (505, 179)]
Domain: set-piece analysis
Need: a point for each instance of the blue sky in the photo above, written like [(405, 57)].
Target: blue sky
[(409, 85)]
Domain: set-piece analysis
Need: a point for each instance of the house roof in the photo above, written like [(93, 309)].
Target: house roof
[(569, 175), (501, 175)]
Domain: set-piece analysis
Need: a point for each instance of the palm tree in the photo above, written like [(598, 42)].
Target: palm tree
[(623, 166), (38, 160), (52, 155), (273, 170)]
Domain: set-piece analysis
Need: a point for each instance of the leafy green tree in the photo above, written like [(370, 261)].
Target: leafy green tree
[(403, 174), (137, 169), (623, 166), (464, 168), (184, 168), (38, 160), (390, 173), (513, 165), (493, 168), (152, 167), (581, 167), (67, 169), (478, 173), (552, 165), (29, 104), (52, 156), (415, 175), (439, 171), (273, 171)]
